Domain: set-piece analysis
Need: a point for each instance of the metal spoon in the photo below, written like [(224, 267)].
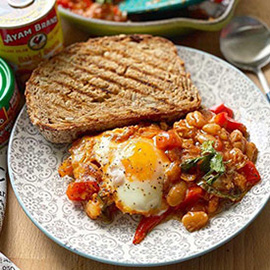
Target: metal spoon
[(245, 42)]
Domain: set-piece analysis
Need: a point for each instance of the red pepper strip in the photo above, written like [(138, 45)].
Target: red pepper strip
[(221, 108), (148, 223), (251, 173), (221, 119), (193, 195), (229, 123), (81, 191)]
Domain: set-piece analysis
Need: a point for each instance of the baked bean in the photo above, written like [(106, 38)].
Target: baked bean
[(183, 130), (188, 177), (177, 194), (195, 119), (237, 158), (240, 145), (211, 128), (208, 115), (238, 140), (251, 151), (226, 155), (194, 221), (205, 137), (174, 172), (187, 143), (223, 134), (236, 136), (218, 145), (213, 204), (226, 146)]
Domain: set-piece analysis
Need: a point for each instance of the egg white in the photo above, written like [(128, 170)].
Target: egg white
[(130, 194)]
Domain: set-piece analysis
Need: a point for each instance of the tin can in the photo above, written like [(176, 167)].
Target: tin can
[(30, 31), (9, 101)]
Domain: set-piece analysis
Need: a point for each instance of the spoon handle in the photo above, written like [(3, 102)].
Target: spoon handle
[(264, 83)]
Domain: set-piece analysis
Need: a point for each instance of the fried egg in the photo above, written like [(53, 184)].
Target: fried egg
[(134, 171)]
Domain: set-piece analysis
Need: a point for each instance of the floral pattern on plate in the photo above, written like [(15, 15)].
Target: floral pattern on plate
[(33, 164)]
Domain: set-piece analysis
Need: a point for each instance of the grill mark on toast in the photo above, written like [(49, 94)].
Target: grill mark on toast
[(133, 89), (123, 54), (74, 89), (126, 47), (89, 94), (85, 115), (51, 104), (70, 89), (148, 84), (94, 87), (57, 94), (143, 72), (162, 100), (107, 57), (138, 69), (51, 108)]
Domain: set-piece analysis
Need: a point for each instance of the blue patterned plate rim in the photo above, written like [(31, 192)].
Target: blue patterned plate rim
[(99, 259), (153, 22)]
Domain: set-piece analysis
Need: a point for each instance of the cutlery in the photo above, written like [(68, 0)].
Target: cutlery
[(245, 42)]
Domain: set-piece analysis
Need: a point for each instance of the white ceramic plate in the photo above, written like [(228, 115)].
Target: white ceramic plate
[(33, 164)]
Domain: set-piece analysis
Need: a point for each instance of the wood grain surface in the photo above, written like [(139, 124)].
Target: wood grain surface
[(30, 249)]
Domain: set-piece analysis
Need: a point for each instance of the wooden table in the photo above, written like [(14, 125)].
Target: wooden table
[(29, 248)]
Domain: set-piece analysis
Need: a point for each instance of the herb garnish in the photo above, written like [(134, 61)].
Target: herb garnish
[(210, 189), (211, 162)]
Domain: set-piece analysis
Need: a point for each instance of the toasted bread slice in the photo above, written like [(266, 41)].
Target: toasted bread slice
[(106, 83)]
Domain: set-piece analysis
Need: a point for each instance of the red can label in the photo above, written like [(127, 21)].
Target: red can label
[(3, 117), (8, 115), (15, 37), (25, 47)]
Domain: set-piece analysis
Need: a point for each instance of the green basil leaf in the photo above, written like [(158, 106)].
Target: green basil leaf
[(207, 152), (205, 164), (216, 163), (207, 148), (189, 163), (210, 189), (211, 163)]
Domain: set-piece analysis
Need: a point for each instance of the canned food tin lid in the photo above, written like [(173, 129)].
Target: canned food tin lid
[(13, 14), (7, 83)]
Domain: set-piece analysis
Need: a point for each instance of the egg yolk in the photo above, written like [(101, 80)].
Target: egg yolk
[(142, 160)]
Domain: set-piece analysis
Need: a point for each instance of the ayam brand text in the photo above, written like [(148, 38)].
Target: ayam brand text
[(23, 34)]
